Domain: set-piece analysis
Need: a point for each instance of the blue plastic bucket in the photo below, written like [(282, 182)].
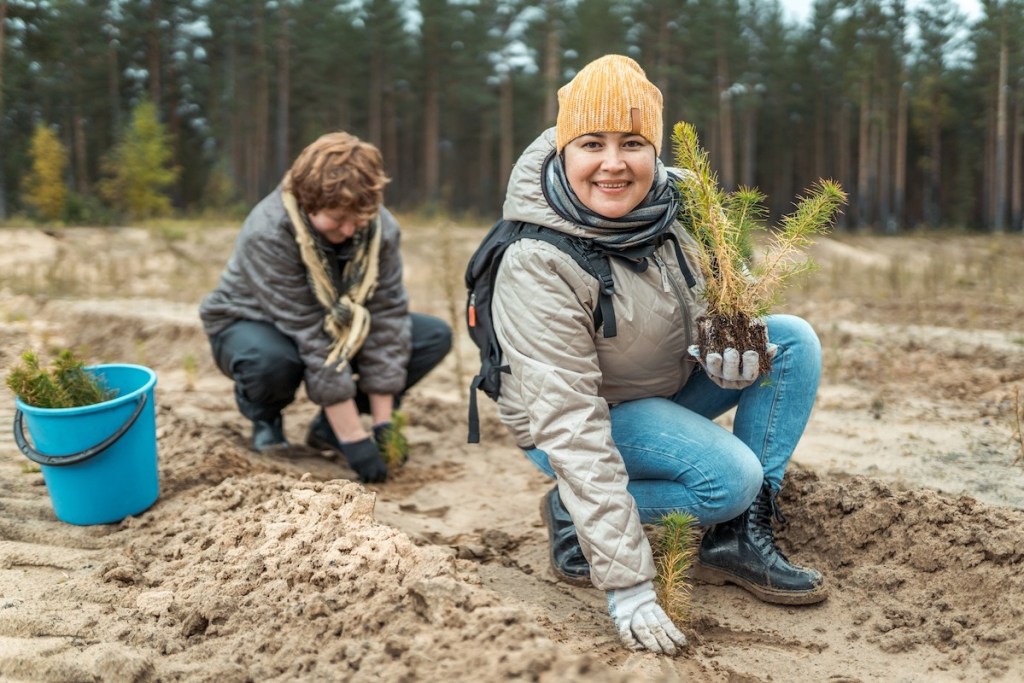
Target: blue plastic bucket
[(98, 461)]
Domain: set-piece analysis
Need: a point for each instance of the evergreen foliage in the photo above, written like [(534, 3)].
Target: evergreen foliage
[(65, 384), (675, 545), (723, 224), (44, 188), (911, 107), (138, 169), (395, 448)]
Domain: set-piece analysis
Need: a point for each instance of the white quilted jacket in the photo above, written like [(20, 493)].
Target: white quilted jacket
[(565, 374)]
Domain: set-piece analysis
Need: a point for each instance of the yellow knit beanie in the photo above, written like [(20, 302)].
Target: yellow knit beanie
[(609, 95)]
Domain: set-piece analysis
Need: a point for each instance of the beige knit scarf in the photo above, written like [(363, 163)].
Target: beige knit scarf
[(347, 320)]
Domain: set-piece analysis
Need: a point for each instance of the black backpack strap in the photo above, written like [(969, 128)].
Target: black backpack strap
[(683, 266), (474, 413), (601, 267), (592, 261)]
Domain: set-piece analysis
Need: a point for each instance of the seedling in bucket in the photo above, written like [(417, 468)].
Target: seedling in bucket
[(93, 434), (65, 384)]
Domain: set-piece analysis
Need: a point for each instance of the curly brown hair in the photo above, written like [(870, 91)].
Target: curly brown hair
[(339, 171)]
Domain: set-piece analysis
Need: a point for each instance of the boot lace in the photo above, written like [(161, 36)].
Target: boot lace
[(761, 514)]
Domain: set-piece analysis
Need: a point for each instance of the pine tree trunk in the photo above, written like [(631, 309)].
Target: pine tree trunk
[(552, 63), (376, 95), (236, 133), (282, 153), (820, 135), (431, 132), (900, 179), (863, 156), (748, 168), (725, 122), (390, 143), (883, 184), (485, 176), (114, 89), (933, 183), (81, 162), (999, 213), (1016, 189), (507, 142), (153, 57), (843, 163), (261, 110)]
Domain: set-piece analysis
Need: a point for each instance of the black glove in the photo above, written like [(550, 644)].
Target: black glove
[(364, 458), (390, 438)]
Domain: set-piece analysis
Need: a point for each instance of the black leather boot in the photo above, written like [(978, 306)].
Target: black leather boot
[(567, 558), (268, 435), (320, 435), (742, 551)]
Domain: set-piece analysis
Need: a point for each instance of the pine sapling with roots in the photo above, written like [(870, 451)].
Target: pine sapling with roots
[(738, 291)]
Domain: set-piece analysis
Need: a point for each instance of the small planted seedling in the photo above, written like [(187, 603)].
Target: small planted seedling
[(191, 371), (65, 384), (394, 447), (737, 291), (675, 548)]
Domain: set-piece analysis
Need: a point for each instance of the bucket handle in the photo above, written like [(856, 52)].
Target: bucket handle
[(74, 458)]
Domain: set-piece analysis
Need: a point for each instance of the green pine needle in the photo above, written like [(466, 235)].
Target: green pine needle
[(723, 225), (675, 548), (65, 384), (395, 449)]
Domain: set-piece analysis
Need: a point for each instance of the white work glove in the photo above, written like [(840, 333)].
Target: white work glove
[(641, 622), (730, 371)]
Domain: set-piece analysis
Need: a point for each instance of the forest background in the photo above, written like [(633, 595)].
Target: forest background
[(125, 109)]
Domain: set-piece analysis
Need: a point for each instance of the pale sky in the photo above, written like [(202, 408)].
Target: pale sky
[(800, 10)]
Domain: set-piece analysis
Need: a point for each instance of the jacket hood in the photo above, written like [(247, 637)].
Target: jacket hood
[(524, 198)]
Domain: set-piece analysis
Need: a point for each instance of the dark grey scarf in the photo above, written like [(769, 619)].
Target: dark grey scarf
[(649, 219)]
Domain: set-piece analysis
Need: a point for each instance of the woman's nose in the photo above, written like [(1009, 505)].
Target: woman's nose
[(612, 160), (348, 228)]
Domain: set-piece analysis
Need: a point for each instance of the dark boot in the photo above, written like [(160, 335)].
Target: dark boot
[(268, 435), (567, 558), (742, 551), (321, 436)]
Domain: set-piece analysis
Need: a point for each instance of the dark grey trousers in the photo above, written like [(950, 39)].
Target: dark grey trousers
[(267, 369)]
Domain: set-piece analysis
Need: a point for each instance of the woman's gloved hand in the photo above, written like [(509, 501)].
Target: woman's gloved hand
[(364, 458), (728, 369), (641, 622)]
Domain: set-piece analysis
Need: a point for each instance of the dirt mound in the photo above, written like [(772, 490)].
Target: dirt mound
[(904, 492), (935, 571), (247, 570)]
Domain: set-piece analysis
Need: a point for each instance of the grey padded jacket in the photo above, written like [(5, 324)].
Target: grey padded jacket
[(565, 374), (265, 280)]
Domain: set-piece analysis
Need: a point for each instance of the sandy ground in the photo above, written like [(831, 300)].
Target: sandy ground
[(907, 492)]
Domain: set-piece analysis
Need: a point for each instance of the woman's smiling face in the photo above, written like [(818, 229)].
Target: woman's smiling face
[(610, 173)]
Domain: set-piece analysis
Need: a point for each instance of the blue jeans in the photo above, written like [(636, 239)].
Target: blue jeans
[(678, 459), (267, 368)]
